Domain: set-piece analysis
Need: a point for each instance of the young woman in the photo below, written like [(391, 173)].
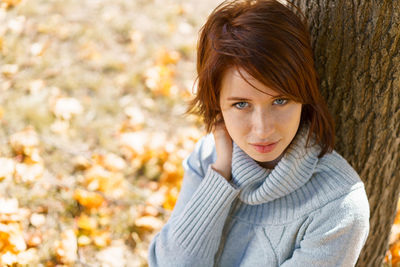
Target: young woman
[(265, 187)]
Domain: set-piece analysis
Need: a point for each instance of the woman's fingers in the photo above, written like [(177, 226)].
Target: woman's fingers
[(223, 146)]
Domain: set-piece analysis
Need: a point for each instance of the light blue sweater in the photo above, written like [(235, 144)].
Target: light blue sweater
[(305, 212)]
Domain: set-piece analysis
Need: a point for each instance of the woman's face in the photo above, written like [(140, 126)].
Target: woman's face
[(262, 124)]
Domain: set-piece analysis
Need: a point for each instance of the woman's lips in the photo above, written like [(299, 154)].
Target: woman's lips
[(264, 148)]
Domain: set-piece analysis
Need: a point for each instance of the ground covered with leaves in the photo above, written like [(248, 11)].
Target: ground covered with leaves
[(92, 132)]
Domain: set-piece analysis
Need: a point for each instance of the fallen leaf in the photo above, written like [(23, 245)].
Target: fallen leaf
[(34, 240), (110, 161), (16, 25), (8, 205), (81, 163), (66, 249), (37, 219), (10, 3), (108, 182), (59, 126), (87, 223), (101, 239), (113, 255), (84, 240), (9, 259), (9, 70), (36, 86), (7, 168), (24, 141), (159, 79), (149, 223), (91, 200), (14, 241), (171, 198), (37, 49), (66, 107), (166, 57), (28, 172), (28, 257), (134, 142)]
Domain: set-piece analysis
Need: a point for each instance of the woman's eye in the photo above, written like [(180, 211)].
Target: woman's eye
[(241, 105), (280, 101)]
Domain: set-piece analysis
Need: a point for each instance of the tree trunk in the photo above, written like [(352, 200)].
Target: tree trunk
[(357, 54)]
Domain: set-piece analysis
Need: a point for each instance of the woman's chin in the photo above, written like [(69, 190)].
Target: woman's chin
[(264, 157)]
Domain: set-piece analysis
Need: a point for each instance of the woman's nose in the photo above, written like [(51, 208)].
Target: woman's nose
[(263, 124)]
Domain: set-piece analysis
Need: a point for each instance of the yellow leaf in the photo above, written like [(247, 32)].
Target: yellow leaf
[(84, 240), (168, 57), (91, 200), (4, 238), (87, 223), (110, 183), (10, 3), (12, 237), (171, 198), (159, 79), (172, 174)]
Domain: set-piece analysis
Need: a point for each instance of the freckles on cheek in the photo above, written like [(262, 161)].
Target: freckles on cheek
[(232, 122), (290, 116)]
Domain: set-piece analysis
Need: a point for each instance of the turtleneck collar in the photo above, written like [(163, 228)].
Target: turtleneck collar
[(259, 185)]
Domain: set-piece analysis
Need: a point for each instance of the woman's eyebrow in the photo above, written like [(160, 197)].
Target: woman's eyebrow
[(238, 98)]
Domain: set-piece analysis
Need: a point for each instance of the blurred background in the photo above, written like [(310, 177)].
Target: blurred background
[(92, 126)]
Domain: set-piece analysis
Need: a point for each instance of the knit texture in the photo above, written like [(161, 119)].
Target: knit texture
[(307, 211), (260, 185)]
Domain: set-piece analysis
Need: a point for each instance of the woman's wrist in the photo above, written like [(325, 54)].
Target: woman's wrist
[(224, 171)]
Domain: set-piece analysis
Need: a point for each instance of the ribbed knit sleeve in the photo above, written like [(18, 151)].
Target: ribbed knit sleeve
[(192, 235)]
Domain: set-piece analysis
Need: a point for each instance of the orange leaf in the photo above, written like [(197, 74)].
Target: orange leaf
[(87, 223), (88, 199)]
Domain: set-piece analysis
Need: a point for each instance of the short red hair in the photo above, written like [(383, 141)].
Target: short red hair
[(268, 41)]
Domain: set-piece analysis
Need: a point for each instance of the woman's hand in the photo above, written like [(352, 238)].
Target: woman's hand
[(223, 145)]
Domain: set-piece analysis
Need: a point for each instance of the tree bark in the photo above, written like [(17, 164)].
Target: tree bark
[(357, 53)]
